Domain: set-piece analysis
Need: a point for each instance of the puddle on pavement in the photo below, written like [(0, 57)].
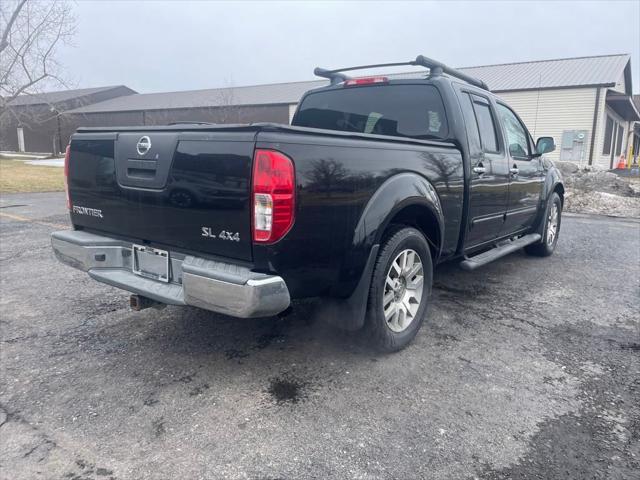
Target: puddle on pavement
[(286, 390)]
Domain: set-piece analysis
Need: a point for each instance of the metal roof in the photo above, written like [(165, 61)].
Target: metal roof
[(278, 93), (564, 72), (570, 72), (61, 96)]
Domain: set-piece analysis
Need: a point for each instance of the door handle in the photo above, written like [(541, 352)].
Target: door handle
[(479, 169), (514, 170)]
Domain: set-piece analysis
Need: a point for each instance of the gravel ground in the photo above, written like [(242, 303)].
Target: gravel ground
[(527, 368)]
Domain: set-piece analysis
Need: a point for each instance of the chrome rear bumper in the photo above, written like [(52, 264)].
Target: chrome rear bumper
[(220, 287)]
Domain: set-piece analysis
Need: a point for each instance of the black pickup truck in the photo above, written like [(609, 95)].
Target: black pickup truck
[(376, 181)]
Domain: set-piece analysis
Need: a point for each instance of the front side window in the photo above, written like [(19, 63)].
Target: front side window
[(414, 111), (516, 133)]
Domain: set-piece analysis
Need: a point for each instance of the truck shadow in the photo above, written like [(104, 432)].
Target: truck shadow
[(197, 354), (204, 332), (198, 332)]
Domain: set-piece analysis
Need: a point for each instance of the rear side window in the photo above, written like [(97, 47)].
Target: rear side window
[(414, 111), (486, 125)]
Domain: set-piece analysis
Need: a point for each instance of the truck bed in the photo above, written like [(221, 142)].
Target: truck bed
[(191, 192)]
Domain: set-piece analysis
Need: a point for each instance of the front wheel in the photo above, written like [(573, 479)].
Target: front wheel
[(553, 218), (400, 289)]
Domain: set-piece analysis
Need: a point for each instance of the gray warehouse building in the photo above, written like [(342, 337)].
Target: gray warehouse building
[(585, 103), (36, 123), (258, 103)]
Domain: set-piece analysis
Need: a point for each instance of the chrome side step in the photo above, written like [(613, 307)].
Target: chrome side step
[(471, 263)]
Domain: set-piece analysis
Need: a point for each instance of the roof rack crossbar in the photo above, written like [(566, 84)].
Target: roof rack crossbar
[(435, 65), (435, 68), (333, 75)]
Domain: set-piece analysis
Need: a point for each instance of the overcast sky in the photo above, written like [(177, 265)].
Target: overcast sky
[(164, 46)]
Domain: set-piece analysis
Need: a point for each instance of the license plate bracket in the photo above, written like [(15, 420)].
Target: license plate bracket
[(151, 263)]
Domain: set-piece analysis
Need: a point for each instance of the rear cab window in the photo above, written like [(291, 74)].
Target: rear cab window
[(405, 110)]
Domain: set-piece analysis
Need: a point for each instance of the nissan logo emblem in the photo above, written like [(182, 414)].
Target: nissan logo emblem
[(143, 145)]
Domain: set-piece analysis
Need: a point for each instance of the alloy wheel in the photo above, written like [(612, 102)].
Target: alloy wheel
[(403, 290), (552, 224)]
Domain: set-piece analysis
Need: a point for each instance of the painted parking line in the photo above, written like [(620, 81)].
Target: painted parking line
[(20, 218)]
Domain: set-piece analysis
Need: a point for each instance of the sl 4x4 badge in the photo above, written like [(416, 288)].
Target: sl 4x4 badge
[(223, 235)]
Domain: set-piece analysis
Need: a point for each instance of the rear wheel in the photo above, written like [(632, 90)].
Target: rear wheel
[(400, 289), (553, 218)]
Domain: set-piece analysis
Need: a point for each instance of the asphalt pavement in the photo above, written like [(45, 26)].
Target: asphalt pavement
[(526, 368)]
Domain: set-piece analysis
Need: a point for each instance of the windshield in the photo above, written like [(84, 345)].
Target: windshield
[(414, 111)]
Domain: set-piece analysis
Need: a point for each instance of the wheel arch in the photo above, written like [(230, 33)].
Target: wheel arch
[(398, 198), (559, 189), (405, 198), (421, 217), (553, 184)]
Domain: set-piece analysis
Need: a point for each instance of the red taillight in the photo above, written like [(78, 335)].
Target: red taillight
[(365, 81), (66, 175), (273, 192)]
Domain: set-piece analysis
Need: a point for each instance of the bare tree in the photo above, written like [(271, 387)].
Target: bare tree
[(441, 165), (226, 111), (326, 175), (30, 33)]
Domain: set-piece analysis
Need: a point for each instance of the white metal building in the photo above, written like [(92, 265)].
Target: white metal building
[(569, 100), (584, 103)]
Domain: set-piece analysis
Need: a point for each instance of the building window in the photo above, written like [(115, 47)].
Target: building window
[(608, 132), (619, 140)]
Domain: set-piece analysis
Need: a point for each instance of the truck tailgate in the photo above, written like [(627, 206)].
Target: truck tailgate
[(188, 190)]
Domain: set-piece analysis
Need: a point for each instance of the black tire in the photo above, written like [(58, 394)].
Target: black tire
[(397, 240), (544, 247)]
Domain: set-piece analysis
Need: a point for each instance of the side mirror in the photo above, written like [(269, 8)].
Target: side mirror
[(545, 145)]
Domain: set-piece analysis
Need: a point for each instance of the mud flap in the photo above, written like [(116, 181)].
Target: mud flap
[(350, 313)]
